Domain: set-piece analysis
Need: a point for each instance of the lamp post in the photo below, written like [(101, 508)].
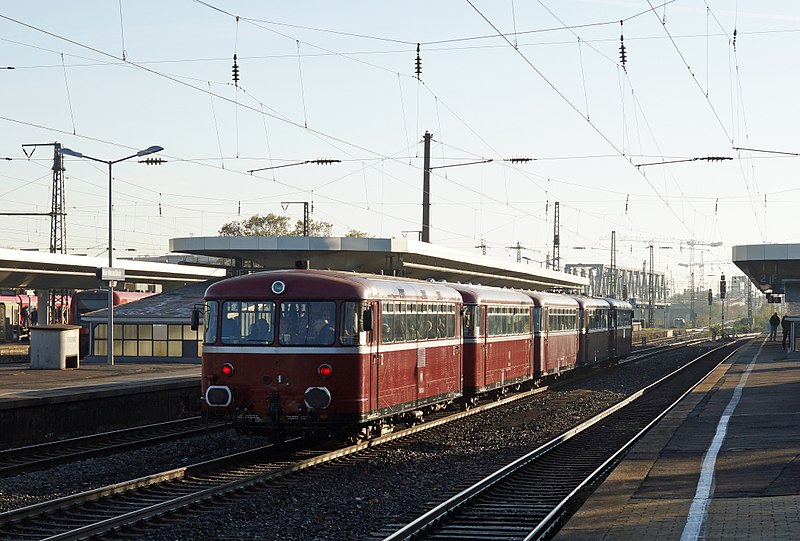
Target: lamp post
[(145, 152)]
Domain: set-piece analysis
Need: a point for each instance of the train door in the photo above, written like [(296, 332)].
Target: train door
[(484, 341), (547, 355), (374, 324), (416, 323)]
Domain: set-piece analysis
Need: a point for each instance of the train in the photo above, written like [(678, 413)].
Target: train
[(341, 352), (89, 300)]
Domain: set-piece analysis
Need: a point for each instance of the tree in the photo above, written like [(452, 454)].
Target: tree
[(271, 225), (357, 234), (315, 228)]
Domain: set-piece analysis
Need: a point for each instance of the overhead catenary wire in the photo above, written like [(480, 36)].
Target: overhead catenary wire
[(265, 121)]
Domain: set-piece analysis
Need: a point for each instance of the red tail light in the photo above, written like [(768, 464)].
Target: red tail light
[(325, 370), (227, 369)]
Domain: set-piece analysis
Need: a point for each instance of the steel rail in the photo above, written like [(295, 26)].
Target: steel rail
[(430, 520)]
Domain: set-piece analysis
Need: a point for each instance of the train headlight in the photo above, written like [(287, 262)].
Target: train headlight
[(325, 370), (219, 396), (227, 369), (317, 398)]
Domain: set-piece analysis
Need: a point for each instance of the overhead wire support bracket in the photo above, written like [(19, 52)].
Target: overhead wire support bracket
[(460, 164), (767, 151), (704, 158), (321, 161)]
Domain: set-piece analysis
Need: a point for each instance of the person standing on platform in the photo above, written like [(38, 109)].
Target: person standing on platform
[(774, 321), (785, 327)]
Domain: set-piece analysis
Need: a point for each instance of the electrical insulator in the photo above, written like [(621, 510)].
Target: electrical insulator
[(153, 161), (235, 71), (418, 64), (520, 160), (623, 58)]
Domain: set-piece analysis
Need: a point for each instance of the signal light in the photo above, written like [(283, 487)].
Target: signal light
[(325, 370), (227, 369)]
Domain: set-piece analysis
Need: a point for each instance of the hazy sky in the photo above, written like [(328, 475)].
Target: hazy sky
[(335, 80)]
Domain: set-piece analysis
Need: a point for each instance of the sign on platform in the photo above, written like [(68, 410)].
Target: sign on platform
[(111, 274)]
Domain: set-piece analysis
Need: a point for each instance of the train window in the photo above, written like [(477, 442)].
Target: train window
[(210, 322), (248, 322), (399, 322), (307, 322), (450, 321), (352, 324), (387, 323), (471, 322)]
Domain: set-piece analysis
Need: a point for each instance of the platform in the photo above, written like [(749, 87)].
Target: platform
[(721, 465), (44, 405), (20, 382)]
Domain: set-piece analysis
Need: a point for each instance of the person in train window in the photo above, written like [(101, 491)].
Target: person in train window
[(260, 331), (288, 330), (323, 331)]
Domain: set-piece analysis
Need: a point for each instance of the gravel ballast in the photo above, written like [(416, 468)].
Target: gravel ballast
[(353, 498)]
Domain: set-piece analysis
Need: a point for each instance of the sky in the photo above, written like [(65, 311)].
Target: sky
[(620, 147)]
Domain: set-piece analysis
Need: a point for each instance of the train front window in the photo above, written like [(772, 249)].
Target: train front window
[(210, 320), (248, 322), (307, 322), (90, 304)]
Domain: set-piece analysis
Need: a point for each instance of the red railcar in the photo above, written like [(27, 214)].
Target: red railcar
[(336, 349), (498, 348), (555, 332), (621, 326), (595, 335)]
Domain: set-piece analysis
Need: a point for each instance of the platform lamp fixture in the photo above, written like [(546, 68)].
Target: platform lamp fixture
[(75, 154)]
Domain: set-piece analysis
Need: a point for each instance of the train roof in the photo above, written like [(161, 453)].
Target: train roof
[(592, 302), (473, 293), (541, 298), (617, 304), (319, 284)]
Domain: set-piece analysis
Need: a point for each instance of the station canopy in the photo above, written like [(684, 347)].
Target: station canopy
[(398, 257), (771, 267), (40, 270)]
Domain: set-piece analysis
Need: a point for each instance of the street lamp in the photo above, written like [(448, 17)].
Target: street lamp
[(145, 152)]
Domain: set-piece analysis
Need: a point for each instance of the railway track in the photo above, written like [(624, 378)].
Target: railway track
[(97, 512), (45, 455), (529, 498), (179, 491)]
